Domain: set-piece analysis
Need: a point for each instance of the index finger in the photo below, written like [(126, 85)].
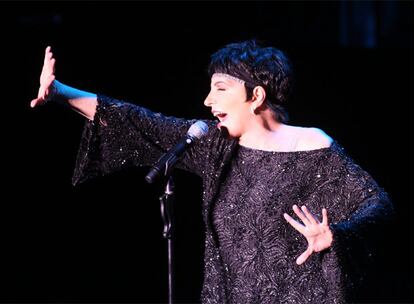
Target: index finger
[(299, 227), (324, 217), (47, 53)]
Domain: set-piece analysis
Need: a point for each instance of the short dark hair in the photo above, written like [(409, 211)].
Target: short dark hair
[(257, 66)]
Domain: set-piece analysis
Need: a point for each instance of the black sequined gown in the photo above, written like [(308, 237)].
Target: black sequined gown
[(250, 250)]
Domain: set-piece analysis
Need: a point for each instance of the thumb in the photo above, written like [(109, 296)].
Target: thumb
[(304, 256), (33, 103)]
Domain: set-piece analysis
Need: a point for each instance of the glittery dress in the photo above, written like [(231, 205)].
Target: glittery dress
[(250, 249)]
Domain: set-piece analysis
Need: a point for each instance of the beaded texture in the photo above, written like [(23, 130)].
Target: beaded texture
[(250, 249)]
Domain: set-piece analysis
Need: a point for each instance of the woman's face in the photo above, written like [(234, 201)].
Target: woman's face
[(227, 99)]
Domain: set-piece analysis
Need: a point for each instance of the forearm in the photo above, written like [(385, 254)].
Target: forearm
[(81, 101)]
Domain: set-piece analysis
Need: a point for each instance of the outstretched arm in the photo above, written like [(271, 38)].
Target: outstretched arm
[(50, 89)]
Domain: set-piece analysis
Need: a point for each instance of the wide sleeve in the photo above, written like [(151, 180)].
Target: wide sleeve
[(359, 210), (123, 134)]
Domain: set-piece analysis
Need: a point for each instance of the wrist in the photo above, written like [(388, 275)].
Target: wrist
[(52, 91)]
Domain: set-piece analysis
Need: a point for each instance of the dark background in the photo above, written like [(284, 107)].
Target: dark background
[(101, 241)]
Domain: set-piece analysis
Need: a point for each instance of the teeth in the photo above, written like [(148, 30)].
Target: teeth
[(217, 113)]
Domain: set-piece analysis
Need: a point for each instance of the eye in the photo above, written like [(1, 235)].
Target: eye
[(221, 89)]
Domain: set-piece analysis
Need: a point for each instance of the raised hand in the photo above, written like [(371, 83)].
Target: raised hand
[(318, 234), (46, 79)]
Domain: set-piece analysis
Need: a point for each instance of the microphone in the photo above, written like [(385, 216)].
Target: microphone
[(167, 161)]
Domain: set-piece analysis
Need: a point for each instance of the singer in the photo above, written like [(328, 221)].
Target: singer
[(288, 214)]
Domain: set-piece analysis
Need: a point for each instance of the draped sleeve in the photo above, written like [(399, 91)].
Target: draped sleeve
[(358, 209), (123, 134)]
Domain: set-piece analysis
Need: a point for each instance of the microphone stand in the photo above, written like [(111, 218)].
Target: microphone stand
[(167, 214), (166, 202), (163, 168)]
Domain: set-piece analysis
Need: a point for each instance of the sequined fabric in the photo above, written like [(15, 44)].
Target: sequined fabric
[(250, 250)]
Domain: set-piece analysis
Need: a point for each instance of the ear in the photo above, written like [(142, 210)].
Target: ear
[(258, 96)]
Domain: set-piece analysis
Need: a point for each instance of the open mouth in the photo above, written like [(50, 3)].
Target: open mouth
[(220, 115)]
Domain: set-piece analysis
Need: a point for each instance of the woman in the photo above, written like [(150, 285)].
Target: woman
[(256, 169)]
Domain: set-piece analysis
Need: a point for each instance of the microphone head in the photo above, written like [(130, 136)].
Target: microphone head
[(198, 129)]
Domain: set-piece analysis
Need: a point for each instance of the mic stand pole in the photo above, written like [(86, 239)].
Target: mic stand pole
[(167, 215)]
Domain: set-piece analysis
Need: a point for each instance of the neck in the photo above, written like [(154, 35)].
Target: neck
[(262, 132)]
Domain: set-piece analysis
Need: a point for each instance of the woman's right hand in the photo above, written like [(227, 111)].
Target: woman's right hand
[(46, 79)]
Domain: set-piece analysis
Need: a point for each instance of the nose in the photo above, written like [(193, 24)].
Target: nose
[(208, 101)]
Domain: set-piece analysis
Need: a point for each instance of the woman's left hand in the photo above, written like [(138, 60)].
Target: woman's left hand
[(318, 234)]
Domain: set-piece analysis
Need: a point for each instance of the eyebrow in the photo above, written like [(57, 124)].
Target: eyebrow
[(220, 81)]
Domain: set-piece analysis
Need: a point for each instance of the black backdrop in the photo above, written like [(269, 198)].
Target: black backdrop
[(101, 241)]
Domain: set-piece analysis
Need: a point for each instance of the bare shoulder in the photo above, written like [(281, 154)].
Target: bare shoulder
[(313, 138)]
